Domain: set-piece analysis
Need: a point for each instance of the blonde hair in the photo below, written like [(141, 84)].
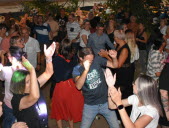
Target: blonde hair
[(130, 40)]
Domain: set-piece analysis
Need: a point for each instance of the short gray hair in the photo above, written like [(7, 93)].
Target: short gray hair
[(119, 34)]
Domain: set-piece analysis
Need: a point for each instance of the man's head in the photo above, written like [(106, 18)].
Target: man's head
[(3, 28), (100, 28), (25, 32), (40, 19), (71, 18), (62, 11), (86, 54)]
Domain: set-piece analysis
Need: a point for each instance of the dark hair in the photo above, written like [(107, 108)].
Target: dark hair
[(128, 31), (16, 52), (85, 51), (157, 43), (121, 26), (13, 40), (2, 26), (66, 49), (18, 81), (100, 24)]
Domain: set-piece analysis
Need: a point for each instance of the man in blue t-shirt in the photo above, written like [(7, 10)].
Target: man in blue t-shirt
[(89, 77)]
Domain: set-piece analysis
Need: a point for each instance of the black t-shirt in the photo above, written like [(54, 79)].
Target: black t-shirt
[(34, 116), (62, 20), (95, 87), (164, 78)]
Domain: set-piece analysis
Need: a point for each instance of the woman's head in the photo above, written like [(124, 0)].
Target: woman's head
[(66, 49), (141, 26), (146, 89), (86, 24), (16, 52), (119, 35), (16, 41), (20, 79), (158, 42)]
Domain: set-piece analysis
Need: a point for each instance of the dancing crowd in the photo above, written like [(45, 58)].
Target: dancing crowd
[(116, 69)]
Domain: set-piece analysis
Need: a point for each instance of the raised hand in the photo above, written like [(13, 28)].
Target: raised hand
[(112, 53), (103, 53), (26, 64), (86, 65), (50, 50), (115, 95), (110, 79)]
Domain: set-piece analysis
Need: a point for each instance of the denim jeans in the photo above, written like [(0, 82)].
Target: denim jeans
[(8, 117), (90, 111)]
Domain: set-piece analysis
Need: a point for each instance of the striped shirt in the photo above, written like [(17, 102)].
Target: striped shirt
[(73, 29), (155, 64)]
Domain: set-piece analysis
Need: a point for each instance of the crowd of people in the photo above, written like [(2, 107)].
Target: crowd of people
[(115, 69)]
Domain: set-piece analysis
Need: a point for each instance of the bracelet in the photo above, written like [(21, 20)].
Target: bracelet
[(48, 60)]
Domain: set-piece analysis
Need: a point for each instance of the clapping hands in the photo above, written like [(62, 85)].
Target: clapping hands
[(112, 54), (50, 50), (113, 92)]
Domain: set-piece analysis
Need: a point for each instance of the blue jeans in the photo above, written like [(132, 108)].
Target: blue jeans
[(90, 111), (8, 117)]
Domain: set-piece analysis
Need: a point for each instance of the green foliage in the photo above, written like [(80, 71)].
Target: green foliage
[(140, 8)]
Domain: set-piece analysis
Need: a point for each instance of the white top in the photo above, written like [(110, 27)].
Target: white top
[(143, 110), (6, 75), (32, 48), (73, 30), (83, 32), (163, 30), (136, 55)]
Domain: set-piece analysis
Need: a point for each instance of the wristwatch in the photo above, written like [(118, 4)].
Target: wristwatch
[(120, 107)]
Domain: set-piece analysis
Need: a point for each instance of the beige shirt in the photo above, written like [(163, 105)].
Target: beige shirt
[(54, 28)]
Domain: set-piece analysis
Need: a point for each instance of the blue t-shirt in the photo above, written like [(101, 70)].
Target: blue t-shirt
[(95, 87), (42, 33)]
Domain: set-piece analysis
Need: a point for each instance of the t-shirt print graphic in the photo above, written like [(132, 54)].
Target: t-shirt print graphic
[(93, 79)]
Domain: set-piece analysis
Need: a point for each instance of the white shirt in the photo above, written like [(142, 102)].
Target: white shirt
[(83, 32), (143, 110), (31, 48), (73, 30), (163, 30)]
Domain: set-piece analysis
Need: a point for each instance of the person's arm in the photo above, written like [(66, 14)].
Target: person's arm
[(141, 122), (114, 62), (33, 96), (44, 77), (115, 96), (80, 80), (89, 42), (122, 58), (110, 80), (145, 38), (165, 103), (109, 43), (84, 38), (38, 60)]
